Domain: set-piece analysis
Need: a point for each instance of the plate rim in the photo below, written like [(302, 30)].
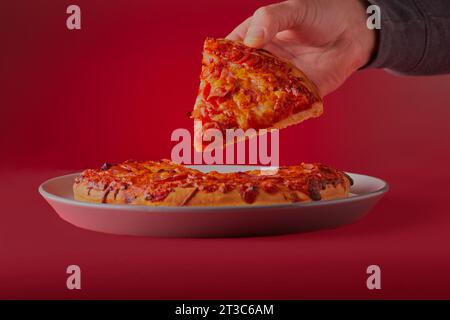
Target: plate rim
[(154, 209)]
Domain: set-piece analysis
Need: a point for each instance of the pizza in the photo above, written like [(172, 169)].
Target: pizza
[(164, 183), (240, 88), (243, 87)]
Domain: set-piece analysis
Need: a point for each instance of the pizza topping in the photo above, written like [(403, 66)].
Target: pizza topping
[(269, 187), (249, 192), (244, 87), (105, 195), (157, 195), (156, 180), (349, 178), (314, 187)]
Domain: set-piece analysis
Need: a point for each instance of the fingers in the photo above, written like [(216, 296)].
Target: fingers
[(240, 31), (267, 21)]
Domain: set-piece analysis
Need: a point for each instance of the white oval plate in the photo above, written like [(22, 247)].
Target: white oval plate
[(224, 221)]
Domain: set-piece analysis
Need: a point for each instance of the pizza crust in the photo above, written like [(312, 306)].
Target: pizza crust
[(315, 111), (194, 197)]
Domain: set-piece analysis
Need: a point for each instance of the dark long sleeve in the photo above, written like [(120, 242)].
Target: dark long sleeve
[(414, 37)]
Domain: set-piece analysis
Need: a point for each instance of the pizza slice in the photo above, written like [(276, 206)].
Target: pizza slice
[(242, 87)]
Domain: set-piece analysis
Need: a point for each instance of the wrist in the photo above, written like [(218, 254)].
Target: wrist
[(373, 38), (366, 39)]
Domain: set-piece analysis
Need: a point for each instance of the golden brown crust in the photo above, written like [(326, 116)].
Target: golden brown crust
[(315, 111), (167, 184)]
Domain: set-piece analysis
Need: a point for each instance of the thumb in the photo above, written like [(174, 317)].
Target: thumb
[(267, 21)]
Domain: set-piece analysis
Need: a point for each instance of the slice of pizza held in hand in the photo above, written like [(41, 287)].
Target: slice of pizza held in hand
[(243, 87)]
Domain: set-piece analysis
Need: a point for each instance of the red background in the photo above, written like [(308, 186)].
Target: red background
[(117, 88)]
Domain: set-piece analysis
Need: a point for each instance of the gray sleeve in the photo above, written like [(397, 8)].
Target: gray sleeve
[(414, 37)]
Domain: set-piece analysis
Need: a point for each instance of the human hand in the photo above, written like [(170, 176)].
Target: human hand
[(327, 39)]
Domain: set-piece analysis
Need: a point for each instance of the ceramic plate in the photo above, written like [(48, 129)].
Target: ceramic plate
[(225, 221)]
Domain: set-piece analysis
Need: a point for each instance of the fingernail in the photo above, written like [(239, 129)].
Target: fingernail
[(255, 36)]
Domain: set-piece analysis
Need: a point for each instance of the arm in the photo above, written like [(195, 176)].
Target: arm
[(415, 36)]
